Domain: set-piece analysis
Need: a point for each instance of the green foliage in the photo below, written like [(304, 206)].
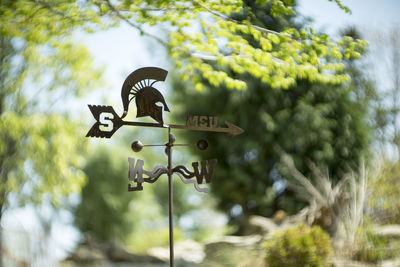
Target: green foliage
[(38, 55), (40, 156), (181, 195), (198, 33), (374, 248), (336, 207), (299, 246), (142, 240), (276, 58), (37, 49), (109, 213), (226, 255), (104, 208), (39, 22), (384, 190), (339, 3), (317, 122)]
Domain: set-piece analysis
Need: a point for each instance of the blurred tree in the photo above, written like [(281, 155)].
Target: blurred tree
[(384, 191), (201, 34), (37, 50), (313, 121), (203, 39), (394, 93), (385, 46), (198, 32), (40, 157), (109, 213), (103, 211)]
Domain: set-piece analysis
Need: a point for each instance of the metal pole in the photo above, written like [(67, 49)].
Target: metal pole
[(170, 200)]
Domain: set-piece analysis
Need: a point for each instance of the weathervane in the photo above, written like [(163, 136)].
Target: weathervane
[(150, 102)]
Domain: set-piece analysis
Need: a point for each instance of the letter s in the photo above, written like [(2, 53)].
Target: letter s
[(106, 123)]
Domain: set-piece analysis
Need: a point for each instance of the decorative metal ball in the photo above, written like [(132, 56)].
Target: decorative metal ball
[(172, 138), (137, 146), (202, 144)]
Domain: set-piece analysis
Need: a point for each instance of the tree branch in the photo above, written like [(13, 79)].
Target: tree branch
[(162, 9), (258, 28), (165, 44), (118, 13), (215, 58), (56, 11)]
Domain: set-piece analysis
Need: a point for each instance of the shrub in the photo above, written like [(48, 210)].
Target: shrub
[(299, 246), (384, 191), (374, 248), (371, 248)]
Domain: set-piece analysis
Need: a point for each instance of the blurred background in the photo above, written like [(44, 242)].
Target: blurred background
[(314, 180)]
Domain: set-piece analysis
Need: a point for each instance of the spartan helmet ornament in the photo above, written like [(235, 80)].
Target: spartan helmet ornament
[(139, 85)]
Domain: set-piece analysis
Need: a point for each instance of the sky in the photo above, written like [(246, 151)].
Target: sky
[(366, 14), (122, 50)]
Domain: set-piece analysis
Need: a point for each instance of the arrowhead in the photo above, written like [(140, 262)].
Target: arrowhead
[(233, 129), (115, 122)]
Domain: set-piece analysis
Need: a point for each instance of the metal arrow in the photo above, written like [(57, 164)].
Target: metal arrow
[(231, 130), (107, 125)]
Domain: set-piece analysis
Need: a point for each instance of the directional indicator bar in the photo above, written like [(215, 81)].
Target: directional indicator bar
[(108, 122), (232, 129), (144, 124)]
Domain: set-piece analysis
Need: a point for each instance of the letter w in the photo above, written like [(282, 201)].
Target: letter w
[(205, 172)]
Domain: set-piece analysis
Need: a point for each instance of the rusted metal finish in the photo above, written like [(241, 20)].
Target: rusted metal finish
[(136, 173), (202, 177), (171, 140), (202, 144), (231, 130), (146, 99), (137, 146), (151, 103), (139, 85), (108, 122)]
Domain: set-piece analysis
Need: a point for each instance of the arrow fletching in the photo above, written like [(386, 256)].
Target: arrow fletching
[(107, 121)]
